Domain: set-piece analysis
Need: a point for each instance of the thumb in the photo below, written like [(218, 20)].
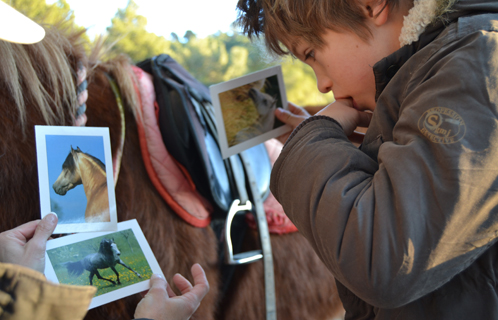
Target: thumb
[(45, 228), (364, 119), (158, 285), (288, 117)]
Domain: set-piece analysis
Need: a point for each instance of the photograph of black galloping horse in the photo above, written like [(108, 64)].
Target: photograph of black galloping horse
[(108, 256), (304, 287)]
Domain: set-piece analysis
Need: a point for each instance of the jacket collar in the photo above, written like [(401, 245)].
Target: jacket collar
[(419, 17), (386, 68)]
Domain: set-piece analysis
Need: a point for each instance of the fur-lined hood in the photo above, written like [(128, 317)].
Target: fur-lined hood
[(420, 16)]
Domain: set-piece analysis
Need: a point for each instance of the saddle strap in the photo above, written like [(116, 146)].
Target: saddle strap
[(116, 161), (264, 234)]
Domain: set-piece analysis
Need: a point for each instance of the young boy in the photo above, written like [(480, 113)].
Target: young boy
[(407, 223)]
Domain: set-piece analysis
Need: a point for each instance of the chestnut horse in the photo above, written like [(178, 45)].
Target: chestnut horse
[(38, 87), (83, 168)]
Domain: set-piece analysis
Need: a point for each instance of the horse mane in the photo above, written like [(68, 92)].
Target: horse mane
[(105, 245), (42, 75), (37, 87), (119, 68), (97, 161), (69, 162)]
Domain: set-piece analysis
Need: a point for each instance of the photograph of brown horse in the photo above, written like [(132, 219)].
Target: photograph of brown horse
[(83, 168), (38, 87)]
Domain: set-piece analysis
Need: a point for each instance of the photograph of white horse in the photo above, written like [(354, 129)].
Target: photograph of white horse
[(108, 256), (117, 264), (265, 105)]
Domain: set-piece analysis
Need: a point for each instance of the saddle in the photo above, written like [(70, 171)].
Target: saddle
[(187, 124), (188, 171)]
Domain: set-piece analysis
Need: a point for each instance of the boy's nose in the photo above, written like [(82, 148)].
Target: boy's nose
[(323, 83)]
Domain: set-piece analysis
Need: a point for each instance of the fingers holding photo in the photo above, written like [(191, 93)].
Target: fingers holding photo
[(292, 117), (162, 303), (25, 245)]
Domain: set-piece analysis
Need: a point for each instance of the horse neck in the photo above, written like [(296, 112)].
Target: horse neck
[(92, 175)]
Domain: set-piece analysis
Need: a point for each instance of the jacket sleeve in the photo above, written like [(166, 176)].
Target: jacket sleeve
[(27, 294), (396, 229)]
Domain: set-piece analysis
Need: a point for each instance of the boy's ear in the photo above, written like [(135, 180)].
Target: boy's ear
[(376, 10)]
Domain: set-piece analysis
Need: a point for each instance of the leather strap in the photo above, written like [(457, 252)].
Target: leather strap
[(264, 234), (119, 153)]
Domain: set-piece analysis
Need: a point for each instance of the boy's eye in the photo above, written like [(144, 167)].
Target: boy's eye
[(310, 54)]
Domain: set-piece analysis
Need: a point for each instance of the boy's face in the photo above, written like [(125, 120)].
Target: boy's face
[(344, 66), (344, 63)]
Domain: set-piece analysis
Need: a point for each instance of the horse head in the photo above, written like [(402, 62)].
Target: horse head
[(265, 103), (70, 176), (109, 248)]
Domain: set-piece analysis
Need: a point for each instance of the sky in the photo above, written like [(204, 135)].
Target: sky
[(203, 17)]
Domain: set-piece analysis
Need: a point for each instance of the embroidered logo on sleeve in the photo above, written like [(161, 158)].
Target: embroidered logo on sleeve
[(442, 125)]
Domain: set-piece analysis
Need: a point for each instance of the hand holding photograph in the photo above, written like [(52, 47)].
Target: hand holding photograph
[(76, 177), (118, 263), (245, 110)]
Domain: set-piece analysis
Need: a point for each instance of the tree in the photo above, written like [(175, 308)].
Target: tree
[(214, 59), (127, 33), (300, 83)]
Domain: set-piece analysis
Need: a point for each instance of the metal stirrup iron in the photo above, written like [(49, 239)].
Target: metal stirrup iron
[(243, 205)]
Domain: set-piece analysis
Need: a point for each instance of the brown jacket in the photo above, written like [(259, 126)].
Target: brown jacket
[(408, 222), (26, 295)]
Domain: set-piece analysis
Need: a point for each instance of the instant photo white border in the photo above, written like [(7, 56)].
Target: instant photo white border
[(43, 182), (119, 293), (216, 89)]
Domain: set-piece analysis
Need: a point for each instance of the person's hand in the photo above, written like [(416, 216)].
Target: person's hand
[(162, 303), (25, 245), (349, 118), (292, 117)]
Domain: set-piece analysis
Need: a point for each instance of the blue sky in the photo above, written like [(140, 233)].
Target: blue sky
[(163, 17), (73, 203)]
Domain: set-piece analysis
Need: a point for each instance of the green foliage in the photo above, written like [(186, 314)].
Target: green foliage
[(40, 12), (127, 34), (59, 13), (300, 83), (214, 59)]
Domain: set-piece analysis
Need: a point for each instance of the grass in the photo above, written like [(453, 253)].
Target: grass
[(239, 111)]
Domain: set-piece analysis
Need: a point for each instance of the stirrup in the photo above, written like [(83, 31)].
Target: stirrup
[(244, 257)]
